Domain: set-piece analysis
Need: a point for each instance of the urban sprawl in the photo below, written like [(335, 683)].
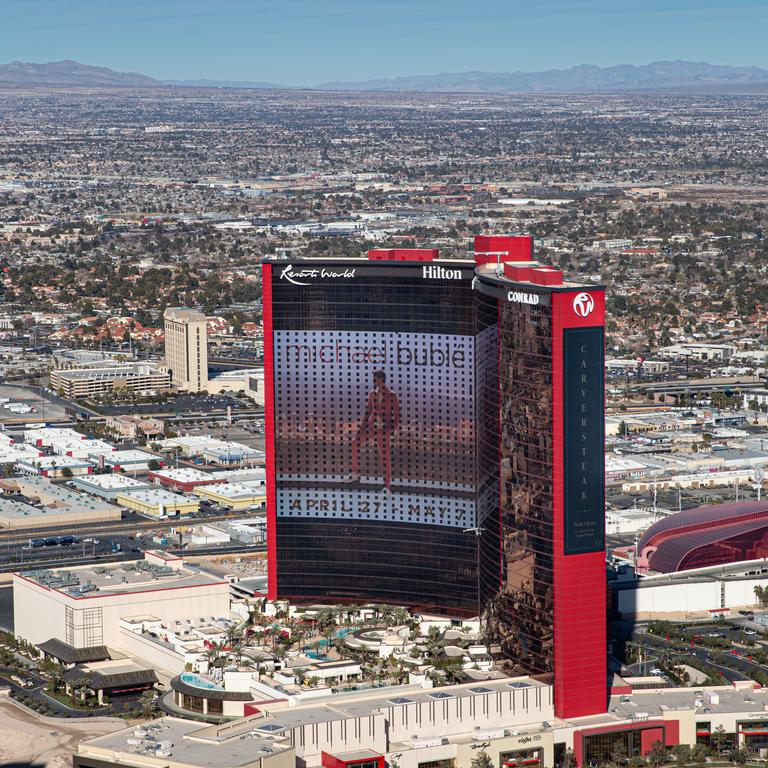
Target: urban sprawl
[(379, 430)]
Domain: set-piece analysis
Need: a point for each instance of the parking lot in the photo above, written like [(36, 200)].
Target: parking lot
[(182, 404), (46, 407)]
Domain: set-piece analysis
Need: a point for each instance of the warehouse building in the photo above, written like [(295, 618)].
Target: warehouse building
[(156, 502), (54, 466), (253, 476), (235, 496), (214, 451), (44, 437), (10, 453), (183, 479), (249, 381), (702, 593), (108, 487), (37, 502), (131, 461)]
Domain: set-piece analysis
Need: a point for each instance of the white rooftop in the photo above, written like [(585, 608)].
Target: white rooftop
[(157, 496), (130, 457), (46, 434), (112, 482), (236, 491), (241, 475), (53, 462), (184, 474)]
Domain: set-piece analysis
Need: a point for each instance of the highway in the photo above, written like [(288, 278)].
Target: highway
[(118, 557), (94, 545), (125, 525)]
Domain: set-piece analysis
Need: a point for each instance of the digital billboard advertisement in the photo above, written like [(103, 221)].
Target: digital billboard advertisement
[(375, 426)]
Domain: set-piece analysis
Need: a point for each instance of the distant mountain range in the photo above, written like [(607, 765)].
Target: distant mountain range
[(70, 74), (658, 76)]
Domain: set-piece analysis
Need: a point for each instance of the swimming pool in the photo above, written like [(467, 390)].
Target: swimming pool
[(320, 646), (198, 682)]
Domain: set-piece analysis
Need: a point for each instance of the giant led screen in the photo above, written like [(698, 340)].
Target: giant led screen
[(375, 425)]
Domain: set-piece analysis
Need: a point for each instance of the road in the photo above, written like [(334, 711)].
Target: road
[(131, 553), (739, 666), (125, 525)]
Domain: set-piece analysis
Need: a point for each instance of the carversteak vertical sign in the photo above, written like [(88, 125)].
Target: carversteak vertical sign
[(583, 440)]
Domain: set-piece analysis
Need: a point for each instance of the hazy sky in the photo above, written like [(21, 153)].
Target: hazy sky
[(306, 42)]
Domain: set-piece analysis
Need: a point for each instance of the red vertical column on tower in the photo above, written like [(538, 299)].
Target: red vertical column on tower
[(269, 428), (578, 414)]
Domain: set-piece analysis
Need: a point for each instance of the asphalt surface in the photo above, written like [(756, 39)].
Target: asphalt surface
[(737, 664)]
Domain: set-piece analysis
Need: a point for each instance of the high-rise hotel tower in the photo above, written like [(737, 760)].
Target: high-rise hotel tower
[(434, 437)]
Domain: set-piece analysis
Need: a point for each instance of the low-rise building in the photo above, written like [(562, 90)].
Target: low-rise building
[(252, 476), (108, 486), (214, 451), (249, 381), (10, 453), (156, 502), (183, 479), (54, 466), (84, 605), (698, 593), (140, 378), (232, 495), (34, 502), (188, 744), (81, 449), (133, 427), (44, 437), (510, 720), (132, 461)]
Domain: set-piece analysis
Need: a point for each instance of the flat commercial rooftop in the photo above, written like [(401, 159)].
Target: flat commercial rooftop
[(130, 457), (222, 746), (116, 579), (362, 705), (233, 491), (109, 482), (185, 475), (49, 463), (157, 496), (655, 702), (37, 501)]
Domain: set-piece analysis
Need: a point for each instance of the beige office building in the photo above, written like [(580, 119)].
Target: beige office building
[(186, 348)]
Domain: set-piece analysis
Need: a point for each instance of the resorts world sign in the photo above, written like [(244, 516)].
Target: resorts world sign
[(300, 276)]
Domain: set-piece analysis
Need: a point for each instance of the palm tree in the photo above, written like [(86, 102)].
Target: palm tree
[(212, 656), (148, 704), (53, 671), (325, 618), (234, 634), (81, 686), (400, 615), (453, 671)]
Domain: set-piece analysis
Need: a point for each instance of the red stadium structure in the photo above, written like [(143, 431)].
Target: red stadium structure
[(704, 536)]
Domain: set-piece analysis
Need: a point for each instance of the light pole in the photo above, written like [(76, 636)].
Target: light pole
[(478, 532)]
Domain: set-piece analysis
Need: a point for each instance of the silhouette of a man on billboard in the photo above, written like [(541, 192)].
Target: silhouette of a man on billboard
[(381, 419)]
